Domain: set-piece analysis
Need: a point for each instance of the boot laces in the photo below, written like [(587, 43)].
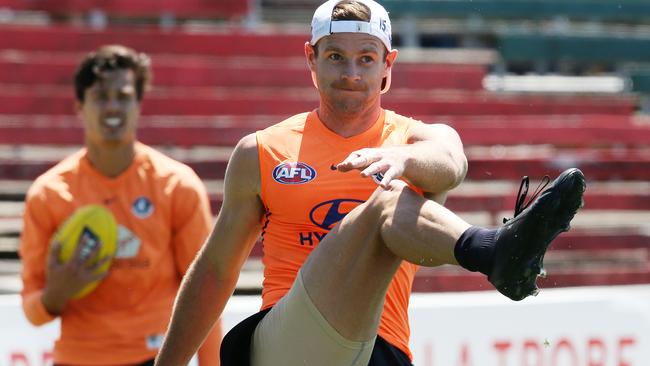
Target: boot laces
[(521, 203)]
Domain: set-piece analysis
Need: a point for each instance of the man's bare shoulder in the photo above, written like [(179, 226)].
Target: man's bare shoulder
[(243, 168), (247, 145)]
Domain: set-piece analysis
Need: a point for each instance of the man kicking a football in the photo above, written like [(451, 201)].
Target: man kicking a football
[(337, 286)]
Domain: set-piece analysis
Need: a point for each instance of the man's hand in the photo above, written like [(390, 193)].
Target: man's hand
[(390, 162), (64, 280), (432, 160)]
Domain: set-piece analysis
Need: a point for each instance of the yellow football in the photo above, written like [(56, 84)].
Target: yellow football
[(92, 225)]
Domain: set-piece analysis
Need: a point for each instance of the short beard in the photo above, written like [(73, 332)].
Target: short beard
[(348, 106)]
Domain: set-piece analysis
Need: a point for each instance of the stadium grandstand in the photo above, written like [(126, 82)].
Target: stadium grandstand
[(532, 86)]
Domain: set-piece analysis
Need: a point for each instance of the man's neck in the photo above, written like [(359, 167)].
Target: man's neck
[(111, 161), (348, 124)]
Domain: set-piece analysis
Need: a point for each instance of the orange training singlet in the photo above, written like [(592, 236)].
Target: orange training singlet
[(305, 198)]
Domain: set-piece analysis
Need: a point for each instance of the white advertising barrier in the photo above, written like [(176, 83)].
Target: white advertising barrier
[(590, 326), (22, 344)]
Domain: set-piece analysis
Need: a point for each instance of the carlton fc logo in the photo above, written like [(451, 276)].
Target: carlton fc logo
[(293, 173), (142, 207)]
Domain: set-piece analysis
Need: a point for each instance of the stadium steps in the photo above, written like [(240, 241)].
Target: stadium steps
[(192, 101), (9, 279), (566, 266), (215, 41), (248, 283), (49, 68), (485, 163), (490, 195), (494, 197), (586, 48), (640, 78), (218, 42), (225, 9), (602, 10), (559, 130), (602, 164), (593, 271), (13, 190), (632, 11), (586, 235)]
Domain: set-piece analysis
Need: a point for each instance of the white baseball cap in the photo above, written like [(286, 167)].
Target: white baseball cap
[(379, 26)]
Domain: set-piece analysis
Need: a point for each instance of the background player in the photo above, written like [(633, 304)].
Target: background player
[(163, 217)]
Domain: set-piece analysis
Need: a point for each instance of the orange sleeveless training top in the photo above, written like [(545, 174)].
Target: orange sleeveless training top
[(304, 198)]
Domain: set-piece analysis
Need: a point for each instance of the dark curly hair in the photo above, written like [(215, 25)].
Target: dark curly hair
[(112, 57)]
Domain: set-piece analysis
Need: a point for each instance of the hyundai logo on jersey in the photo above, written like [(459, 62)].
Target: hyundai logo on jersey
[(142, 207), (327, 214), (293, 173)]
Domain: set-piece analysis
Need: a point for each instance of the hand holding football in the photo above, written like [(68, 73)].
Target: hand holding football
[(91, 226)]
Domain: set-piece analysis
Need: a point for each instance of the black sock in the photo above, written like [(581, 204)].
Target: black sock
[(474, 249)]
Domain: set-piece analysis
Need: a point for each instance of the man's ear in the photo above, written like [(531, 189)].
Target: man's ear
[(390, 60), (78, 105), (310, 55), (391, 57)]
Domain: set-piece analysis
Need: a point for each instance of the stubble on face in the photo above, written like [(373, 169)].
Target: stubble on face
[(350, 70)]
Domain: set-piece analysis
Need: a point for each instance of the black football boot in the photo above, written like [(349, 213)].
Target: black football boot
[(521, 243)]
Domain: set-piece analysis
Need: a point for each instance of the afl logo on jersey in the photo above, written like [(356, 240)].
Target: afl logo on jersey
[(142, 207), (293, 173)]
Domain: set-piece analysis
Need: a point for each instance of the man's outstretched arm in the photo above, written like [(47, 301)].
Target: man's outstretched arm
[(433, 160), (212, 277)]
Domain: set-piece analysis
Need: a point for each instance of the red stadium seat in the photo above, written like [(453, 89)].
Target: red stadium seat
[(135, 8), (151, 40)]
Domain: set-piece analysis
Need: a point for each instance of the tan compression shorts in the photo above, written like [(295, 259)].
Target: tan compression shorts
[(295, 333)]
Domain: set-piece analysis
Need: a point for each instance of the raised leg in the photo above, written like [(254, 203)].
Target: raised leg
[(358, 259)]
